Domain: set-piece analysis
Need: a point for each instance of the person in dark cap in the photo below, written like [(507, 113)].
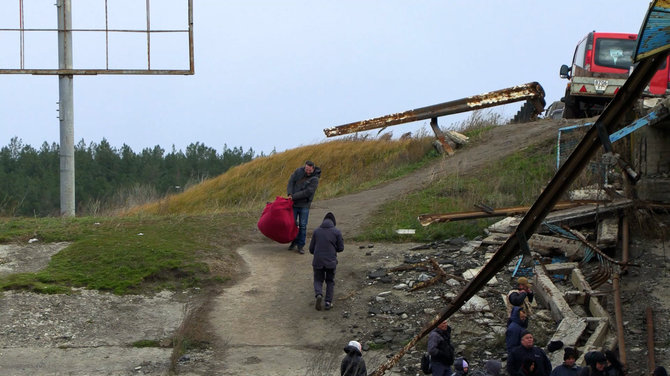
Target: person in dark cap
[(301, 189), (568, 368), (353, 363), (522, 295), (326, 243), (528, 350), (596, 364)]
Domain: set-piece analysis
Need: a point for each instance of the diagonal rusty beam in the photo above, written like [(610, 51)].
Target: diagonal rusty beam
[(531, 90)]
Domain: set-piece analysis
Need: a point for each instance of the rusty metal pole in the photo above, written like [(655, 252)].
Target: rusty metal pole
[(625, 243), (651, 362), (532, 90), (440, 136), (619, 318)]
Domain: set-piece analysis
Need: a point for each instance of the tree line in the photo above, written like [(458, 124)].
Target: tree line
[(106, 178)]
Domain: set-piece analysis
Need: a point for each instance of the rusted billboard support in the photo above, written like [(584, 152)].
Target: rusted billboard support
[(527, 91)]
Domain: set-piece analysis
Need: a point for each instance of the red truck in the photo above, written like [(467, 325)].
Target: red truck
[(600, 66)]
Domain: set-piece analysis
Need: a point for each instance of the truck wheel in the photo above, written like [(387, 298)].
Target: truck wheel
[(571, 110)]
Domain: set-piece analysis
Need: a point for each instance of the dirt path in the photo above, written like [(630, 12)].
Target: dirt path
[(267, 321)]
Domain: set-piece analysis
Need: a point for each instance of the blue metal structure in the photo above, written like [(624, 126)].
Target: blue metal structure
[(651, 118)]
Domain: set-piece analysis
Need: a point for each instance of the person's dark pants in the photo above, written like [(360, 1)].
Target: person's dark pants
[(327, 275), (440, 369), (301, 215)]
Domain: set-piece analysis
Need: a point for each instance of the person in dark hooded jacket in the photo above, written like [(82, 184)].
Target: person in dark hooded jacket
[(596, 362), (325, 244), (461, 367), (353, 363), (440, 349), (614, 366), (492, 367), (516, 324)]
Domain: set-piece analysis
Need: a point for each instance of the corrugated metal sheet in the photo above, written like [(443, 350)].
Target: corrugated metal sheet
[(654, 35)]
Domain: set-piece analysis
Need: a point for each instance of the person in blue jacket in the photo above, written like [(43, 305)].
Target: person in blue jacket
[(517, 323)]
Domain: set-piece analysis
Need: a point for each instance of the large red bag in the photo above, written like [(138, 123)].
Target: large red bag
[(277, 221)]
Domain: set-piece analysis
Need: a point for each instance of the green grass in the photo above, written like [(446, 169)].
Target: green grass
[(129, 255), (512, 181), (146, 343)]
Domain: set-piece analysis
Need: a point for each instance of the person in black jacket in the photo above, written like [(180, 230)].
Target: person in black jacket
[(614, 366), (440, 349), (527, 350), (301, 189), (353, 363), (326, 243), (595, 365)]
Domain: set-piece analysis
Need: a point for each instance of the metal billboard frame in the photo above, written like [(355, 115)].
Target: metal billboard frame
[(68, 30)]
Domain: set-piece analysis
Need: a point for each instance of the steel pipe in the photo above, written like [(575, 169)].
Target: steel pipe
[(618, 315)]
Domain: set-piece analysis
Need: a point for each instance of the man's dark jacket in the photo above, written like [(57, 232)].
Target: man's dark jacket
[(302, 187), (439, 346), (326, 243), (519, 353)]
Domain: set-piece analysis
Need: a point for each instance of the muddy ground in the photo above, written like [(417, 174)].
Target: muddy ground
[(265, 323)]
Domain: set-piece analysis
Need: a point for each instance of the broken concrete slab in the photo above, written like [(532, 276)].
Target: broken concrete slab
[(569, 331), (551, 296), (608, 232)]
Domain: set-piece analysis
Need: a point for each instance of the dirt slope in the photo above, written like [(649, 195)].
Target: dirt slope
[(267, 322)]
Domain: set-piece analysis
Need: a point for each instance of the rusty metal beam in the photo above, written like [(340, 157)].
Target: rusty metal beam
[(618, 315), (440, 136), (565, 176), (428, 219), (651, 360), (625, 243), (531, 90)]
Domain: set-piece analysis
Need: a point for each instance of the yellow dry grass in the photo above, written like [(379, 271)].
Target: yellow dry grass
[(347, 165)]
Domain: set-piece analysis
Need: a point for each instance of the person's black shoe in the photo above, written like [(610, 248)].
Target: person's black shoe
[(318, 302), (328, 306), (301, 251), (291, 247)]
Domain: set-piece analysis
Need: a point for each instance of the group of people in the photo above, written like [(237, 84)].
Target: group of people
[(523, 357)]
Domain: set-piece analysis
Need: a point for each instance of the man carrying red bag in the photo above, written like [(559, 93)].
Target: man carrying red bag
[(301, 189)]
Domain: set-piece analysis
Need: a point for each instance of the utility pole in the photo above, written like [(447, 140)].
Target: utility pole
[(66, 109)]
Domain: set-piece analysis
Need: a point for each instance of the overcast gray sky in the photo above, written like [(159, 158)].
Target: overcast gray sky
[(273, 74)]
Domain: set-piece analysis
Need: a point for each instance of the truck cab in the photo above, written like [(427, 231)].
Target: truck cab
[(600, 66)]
